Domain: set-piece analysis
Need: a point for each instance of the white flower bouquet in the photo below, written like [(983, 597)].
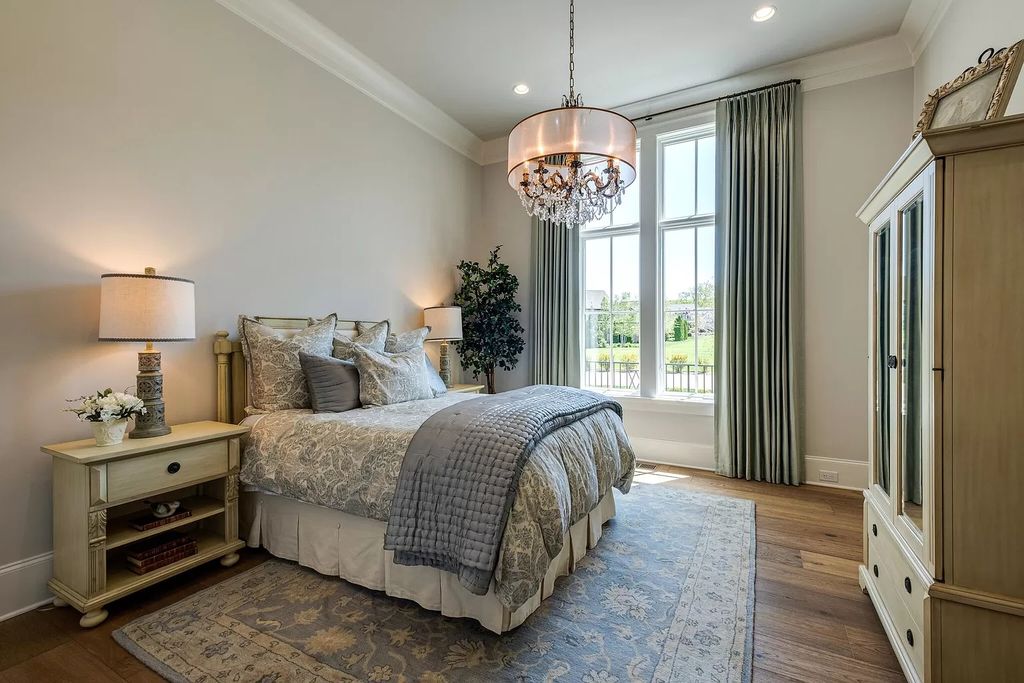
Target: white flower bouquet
[(108, 406), (108, 411)]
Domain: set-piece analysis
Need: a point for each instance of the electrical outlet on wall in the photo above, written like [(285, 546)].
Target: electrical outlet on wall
[(829, 476)]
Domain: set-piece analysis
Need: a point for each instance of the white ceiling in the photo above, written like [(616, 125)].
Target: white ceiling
[(466, 55)]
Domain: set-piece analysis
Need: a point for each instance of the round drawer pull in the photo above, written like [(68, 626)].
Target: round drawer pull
[(874, 529), (875, 570), (906, 583), (910, 637), (173, 468)]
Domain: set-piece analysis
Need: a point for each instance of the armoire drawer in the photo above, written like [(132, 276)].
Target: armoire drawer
[(909, 634), (896, 579)]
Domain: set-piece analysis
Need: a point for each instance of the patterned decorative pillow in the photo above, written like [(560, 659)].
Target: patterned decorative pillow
[(397, 343), (277, 382), (370, 337), (386, 378), (363, 327)]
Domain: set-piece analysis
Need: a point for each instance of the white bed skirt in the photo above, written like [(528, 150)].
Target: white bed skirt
[(339, 544)]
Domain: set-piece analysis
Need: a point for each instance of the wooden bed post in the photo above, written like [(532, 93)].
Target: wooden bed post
[(222, 349)]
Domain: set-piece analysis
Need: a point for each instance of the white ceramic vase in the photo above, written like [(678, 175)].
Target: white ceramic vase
[(109, 433)]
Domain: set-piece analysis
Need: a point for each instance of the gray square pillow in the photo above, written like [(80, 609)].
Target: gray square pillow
[(277, 379), (386, 378), (333, 384)]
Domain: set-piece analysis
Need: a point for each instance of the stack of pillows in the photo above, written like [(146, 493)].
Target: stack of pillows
[(320, 368)]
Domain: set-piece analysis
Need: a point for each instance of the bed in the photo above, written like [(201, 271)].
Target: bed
[(317, 489)]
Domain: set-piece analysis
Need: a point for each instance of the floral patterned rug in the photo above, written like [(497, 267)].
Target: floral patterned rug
[(667, 595)]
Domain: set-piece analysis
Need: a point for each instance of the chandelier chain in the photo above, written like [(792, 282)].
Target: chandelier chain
[(572, 51)]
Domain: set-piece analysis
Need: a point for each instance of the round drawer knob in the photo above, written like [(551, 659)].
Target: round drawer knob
[(906, 583), (875, 570), (874, 529), (910, 637), (173, 468)]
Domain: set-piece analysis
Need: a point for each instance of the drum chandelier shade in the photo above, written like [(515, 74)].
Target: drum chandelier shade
[(595, 135), (572, 164)]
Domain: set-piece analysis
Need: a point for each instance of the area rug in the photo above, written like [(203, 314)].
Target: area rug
[(667, 595)]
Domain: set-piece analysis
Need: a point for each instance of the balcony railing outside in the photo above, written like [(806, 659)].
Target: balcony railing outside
[(684, 378), (603, 374), (690, 378)]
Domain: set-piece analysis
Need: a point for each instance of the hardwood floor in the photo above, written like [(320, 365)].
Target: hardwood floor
[(811, 621)]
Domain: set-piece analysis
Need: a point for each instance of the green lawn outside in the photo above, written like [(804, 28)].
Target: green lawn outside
[(675, 352)]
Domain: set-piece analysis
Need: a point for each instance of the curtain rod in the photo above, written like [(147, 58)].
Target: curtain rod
[(648, 117)]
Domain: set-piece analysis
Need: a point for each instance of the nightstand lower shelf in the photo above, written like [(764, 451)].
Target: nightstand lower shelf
[(121, 581)]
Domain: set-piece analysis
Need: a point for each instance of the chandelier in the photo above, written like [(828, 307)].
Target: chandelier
[(572, 164)]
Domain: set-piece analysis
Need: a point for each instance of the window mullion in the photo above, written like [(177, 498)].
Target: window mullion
[(650, 213), (696, 306), (611, 312)]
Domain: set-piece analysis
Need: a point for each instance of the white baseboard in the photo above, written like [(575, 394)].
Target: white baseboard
[(23, 585), (853, 474), (681, 454)]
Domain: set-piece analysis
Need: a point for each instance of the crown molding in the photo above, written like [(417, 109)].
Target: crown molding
[(823, 70), (292, 26), (919, 24), (493, 151)]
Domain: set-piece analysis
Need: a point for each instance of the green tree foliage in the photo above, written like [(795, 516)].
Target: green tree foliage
[(680, 329), (491, 333)]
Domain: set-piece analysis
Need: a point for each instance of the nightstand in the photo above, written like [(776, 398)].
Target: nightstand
[(98, 491), (466, 389)]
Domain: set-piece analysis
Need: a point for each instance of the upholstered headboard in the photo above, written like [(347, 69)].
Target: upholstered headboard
[(232, 383)]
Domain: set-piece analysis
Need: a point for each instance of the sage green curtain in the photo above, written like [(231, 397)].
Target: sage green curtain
[(554, 325), (758, 213)]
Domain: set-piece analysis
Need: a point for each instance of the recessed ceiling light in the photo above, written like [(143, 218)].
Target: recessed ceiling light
[(763, 13), (521, 89)]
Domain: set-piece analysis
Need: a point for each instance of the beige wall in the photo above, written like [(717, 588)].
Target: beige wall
[(504, 221), (172, 133), (967, 28), (852, 135)]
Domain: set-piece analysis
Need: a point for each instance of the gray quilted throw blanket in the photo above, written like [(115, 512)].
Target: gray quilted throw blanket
[(461, 472)]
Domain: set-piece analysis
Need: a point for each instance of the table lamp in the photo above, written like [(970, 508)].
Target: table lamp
[(147, 308), (445, 323)]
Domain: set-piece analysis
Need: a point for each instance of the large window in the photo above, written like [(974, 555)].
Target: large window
[(686, 227), (611, 297), (648, 274)]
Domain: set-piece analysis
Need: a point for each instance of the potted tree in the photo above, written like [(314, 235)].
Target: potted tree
[(491, 333)]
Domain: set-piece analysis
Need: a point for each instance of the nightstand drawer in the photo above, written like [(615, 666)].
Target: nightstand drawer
[(134, 477)]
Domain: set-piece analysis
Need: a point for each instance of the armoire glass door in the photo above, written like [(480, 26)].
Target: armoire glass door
[(912, 352), (882, 353)]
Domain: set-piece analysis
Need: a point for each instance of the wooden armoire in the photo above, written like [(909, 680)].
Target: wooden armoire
[(944, 511)]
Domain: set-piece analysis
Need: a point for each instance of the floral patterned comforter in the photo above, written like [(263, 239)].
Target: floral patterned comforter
[(350, 462)]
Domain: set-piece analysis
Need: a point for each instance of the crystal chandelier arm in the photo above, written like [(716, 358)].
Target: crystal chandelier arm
[(556, 183), (591, 178)]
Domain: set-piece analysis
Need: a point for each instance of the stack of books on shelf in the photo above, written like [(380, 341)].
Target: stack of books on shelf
[(160, 551), (147, 522)]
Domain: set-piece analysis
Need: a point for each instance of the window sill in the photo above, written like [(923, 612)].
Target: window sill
[(682, 405)]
